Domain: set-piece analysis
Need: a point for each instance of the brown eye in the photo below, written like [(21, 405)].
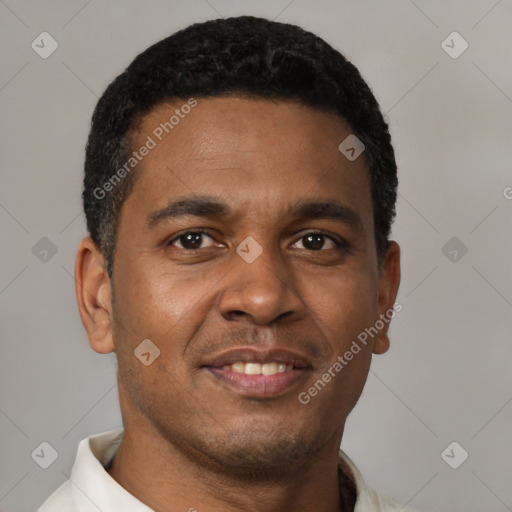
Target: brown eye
[(191, 240), (313, 241), (317, 242)]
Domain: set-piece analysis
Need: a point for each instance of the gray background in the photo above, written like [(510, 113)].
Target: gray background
[(447, 376)]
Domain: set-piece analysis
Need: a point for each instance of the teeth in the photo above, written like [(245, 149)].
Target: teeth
[(260, 369), (269, 369), (238, 367), (252, 368)]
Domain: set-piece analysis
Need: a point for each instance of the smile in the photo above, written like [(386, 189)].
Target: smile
[(259, 369), (259, 373)]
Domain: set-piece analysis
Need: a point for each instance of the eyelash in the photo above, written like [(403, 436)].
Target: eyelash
[(183, 233), (340, 245)]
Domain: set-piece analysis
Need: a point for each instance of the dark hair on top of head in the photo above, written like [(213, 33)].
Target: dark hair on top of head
[(243, 56)]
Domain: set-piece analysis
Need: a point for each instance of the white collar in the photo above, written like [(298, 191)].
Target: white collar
[(91, 489)]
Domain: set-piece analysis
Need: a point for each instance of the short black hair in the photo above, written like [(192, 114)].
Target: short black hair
[(243, 56)]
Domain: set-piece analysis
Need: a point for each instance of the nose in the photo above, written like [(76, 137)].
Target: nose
[(261, 292)]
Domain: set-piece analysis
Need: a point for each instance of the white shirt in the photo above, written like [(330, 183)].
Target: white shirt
[(91, 489)]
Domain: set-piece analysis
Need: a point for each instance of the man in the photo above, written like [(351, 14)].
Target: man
[(239, 191)]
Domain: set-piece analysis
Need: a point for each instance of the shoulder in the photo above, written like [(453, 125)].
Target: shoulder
[(88, 477), (381, 503), (368, 499), (60, 500)]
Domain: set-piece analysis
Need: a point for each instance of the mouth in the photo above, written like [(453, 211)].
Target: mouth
[(259, 373)]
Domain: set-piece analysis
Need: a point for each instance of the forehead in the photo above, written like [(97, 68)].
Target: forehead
[(252, 152), (228, 123)]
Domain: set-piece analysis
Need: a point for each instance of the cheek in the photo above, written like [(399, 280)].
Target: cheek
[(166, 310), (343, 313), (342, 305), (162, 306)]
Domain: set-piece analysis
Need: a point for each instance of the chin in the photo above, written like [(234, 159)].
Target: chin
[(250, 452)]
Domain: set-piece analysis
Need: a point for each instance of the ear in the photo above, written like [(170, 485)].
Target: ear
[(389, 281), (92, 286)]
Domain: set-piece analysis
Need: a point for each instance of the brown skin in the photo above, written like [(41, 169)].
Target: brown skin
[(190, 440)]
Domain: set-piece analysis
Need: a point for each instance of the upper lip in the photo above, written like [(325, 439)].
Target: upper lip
[(254, 355)]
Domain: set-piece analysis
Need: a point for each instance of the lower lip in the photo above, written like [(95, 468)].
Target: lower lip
[(261, 386)]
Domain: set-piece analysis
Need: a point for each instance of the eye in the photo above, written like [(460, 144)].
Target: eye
[(192, 240), (316, 241)]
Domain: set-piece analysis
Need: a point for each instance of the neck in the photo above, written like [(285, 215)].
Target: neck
[(167, 480)]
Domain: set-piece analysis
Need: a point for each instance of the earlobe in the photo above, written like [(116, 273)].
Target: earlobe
[(92, 286), (381, 344)]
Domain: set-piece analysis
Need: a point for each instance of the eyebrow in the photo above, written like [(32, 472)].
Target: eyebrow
[(197, 206), (329, 209), (210, 207)]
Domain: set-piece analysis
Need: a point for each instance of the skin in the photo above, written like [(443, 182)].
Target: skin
[(190, 440)]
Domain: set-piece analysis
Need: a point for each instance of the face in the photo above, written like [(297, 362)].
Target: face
[(246, 254)]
